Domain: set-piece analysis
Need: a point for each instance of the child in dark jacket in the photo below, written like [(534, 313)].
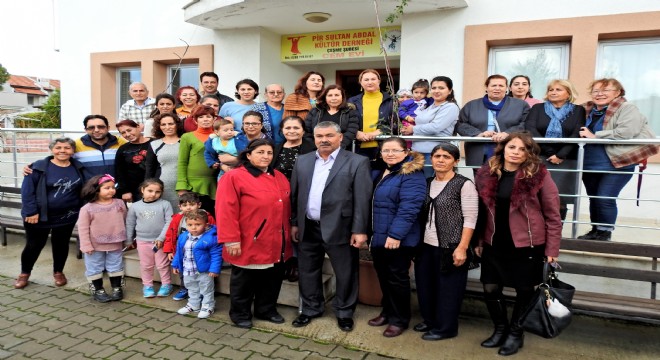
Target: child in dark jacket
[(187, 202), (199, 259)]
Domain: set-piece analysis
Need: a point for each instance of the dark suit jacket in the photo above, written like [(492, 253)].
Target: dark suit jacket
[(473, 120), (346, 196)]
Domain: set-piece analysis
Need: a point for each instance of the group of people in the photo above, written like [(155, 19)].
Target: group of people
[(280, 179)]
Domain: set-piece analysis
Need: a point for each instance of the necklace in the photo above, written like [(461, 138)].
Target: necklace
[(508, 171)]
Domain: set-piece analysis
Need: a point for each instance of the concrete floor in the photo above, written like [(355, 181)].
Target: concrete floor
[(586, 338)]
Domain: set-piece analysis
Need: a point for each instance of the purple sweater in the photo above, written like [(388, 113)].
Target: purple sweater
[(102, 227)]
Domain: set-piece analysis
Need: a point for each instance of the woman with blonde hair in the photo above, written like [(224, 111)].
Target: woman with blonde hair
[(559, 117), (376, 110)]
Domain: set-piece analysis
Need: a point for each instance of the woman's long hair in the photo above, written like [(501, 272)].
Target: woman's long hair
[(301, 85), (532, 162)]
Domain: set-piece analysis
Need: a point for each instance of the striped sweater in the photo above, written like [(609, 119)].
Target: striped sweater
[(98, 159)]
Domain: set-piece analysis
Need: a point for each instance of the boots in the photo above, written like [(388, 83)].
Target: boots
[(497, 311), (117, 288), (97, 291), (513, 342), (516, 338)]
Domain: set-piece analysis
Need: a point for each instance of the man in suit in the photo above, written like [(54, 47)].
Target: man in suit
[(330, 195)]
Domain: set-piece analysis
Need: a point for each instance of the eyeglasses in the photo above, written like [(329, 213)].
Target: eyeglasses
[(92, 127), (391, 151), (596, 92), (275, 92), (251, 124)]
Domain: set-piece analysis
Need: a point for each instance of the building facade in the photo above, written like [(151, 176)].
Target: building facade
[(167, 46)]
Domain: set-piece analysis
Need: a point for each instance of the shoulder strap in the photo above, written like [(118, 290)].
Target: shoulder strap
[(159, 147)]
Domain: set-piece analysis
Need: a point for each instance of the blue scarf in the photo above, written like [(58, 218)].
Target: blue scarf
[(598, 116), (495, 108), (557, 117)]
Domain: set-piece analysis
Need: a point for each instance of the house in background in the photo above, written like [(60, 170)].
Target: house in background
[(32, 91), (24, 94)]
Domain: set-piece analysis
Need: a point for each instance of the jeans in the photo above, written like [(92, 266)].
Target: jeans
[(605, 211), (110, 261), (201, 290)]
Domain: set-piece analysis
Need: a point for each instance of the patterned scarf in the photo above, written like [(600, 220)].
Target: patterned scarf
[(609, 110), (557, 117)]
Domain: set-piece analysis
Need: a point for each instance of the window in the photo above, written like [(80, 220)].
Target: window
[(125, 77), (187, 75), (635, 64), (542, 63)]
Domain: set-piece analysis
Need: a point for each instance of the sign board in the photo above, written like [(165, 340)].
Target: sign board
[(340, 45)]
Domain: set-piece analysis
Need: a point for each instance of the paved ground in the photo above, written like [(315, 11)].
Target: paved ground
[(42, 321)]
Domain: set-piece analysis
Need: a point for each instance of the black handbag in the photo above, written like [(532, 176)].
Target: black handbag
[(549, 312)]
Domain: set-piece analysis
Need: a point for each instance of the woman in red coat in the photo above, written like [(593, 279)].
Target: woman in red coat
[(521, 229), (253, 208)]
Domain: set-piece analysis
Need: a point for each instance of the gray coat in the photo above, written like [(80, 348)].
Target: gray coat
[(473, 120)]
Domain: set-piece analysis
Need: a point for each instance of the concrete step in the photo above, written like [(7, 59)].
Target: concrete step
[(289, 294)]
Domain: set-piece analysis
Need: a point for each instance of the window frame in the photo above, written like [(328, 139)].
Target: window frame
[(118, 79), (182, 66), (564, 63)]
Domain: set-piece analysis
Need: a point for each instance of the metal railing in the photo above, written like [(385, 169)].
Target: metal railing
[(12, 161), (581, 142)]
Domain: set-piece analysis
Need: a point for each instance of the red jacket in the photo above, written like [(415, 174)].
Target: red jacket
[(533, 214), (174, 230), (254, 209)]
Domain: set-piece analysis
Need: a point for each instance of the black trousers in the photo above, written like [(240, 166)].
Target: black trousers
[(36, 238), (393, 269), (440, 295), (208, 204), (261, 286), (345, 261)]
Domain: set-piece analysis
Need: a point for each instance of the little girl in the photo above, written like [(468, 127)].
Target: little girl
[(409, 109), (147, 222), (221, 143), (102, 232)]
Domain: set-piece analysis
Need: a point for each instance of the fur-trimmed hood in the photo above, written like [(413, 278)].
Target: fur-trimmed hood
[(413, 162), (523, 188)]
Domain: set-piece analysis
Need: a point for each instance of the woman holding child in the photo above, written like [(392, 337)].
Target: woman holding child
[(253, 207)]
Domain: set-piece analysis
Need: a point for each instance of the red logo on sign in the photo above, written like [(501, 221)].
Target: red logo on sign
[(294, 43)]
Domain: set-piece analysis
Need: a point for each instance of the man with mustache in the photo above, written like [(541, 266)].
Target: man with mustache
[(330, 196)]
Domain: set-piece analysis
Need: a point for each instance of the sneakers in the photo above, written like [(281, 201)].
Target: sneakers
[(187, 310), (181, 295), (148, 292), (590, 235), (603, 235), (165, 290), (204, 313), (99, 294), (117, 294), (595, 234)]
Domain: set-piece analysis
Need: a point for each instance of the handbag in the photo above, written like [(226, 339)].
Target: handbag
[(549, 312)]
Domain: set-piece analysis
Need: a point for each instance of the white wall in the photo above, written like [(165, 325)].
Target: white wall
[(93, 26), (433, 43)]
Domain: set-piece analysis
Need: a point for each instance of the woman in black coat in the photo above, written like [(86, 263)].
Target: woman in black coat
[(558, 117)]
